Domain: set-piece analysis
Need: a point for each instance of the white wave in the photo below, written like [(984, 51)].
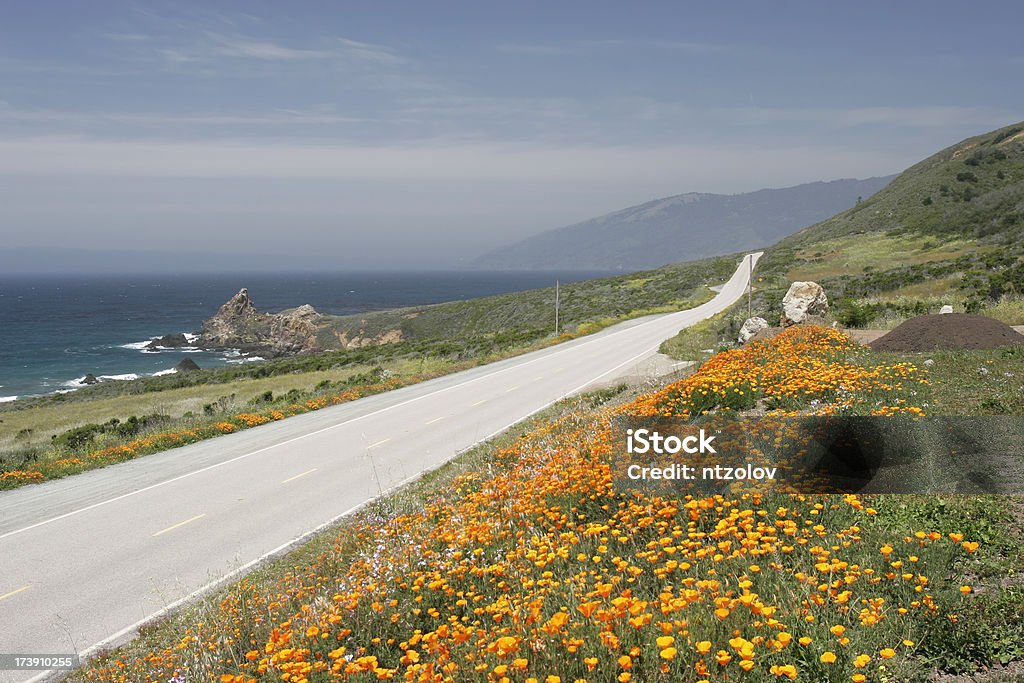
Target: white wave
[(145, 348), (8, 399), (138, 346), (169, 371), (246, 359), (79, 383)]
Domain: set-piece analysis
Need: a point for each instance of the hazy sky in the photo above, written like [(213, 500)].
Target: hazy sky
[(418, 134)]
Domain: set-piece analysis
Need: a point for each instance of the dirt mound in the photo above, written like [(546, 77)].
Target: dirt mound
[(767, 333), (948, 331)]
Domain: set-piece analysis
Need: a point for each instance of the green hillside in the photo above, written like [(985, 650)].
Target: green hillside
[(948, 229)]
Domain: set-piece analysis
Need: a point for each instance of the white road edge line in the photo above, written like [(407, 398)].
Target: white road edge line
[(199, 592), (360, 417)]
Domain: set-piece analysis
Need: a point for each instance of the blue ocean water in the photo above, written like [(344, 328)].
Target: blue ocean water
[(54, 330)]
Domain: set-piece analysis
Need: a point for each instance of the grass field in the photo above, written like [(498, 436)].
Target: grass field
[(854, 255)]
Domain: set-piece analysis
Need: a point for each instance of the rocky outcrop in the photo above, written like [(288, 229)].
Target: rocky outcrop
[(751, 326), (169, 341), (238, 324), (89, 379), (295, 330), (804, 302), (187, 365), (360, 339), (946, 310)]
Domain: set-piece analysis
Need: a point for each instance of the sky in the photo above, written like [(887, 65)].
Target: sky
[(417, 135)]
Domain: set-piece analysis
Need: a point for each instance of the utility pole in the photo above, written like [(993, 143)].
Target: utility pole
[(556, 307)]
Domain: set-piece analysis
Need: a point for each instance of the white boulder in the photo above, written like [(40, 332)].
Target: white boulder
[(751, 326), (803, 300), (945, 310)]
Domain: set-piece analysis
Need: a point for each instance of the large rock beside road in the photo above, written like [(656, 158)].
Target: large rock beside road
[(803, 300), (751, 326)]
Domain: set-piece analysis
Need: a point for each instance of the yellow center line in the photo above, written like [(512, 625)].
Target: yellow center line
[(479, 403), (15, 592), (299, 475), (436, 419), (378, 443), (175, 526)]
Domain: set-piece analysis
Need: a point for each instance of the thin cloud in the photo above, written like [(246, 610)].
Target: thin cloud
[(213, 46), (585, 47), (261, 49), (370, 52)]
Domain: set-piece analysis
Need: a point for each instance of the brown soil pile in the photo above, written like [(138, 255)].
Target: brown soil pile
[(949, 331), (766, 333)]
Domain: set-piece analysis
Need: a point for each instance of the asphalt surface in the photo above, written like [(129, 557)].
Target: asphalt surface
[(85, 560)]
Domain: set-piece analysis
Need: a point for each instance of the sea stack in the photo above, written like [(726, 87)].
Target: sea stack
[(187, 365)]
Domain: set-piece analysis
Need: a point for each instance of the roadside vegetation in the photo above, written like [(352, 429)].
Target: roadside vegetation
[(521, 562)]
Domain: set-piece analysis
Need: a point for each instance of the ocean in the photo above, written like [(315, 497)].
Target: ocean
[(56, 329)]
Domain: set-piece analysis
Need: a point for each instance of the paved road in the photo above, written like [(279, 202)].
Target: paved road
[(85, 560)]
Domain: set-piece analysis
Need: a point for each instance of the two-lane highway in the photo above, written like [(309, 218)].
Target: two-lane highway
[(84, 561)]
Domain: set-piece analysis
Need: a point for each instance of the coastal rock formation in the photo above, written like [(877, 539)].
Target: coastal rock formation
[(169, 341), (803, 300), (238, 324), (295, 330), (751, 326), (187, 365), (89, 379)]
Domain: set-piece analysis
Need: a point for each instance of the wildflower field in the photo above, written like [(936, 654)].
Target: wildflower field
[(529, 566)]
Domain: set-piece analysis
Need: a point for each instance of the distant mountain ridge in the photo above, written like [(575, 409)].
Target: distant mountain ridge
[(682, 228)]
